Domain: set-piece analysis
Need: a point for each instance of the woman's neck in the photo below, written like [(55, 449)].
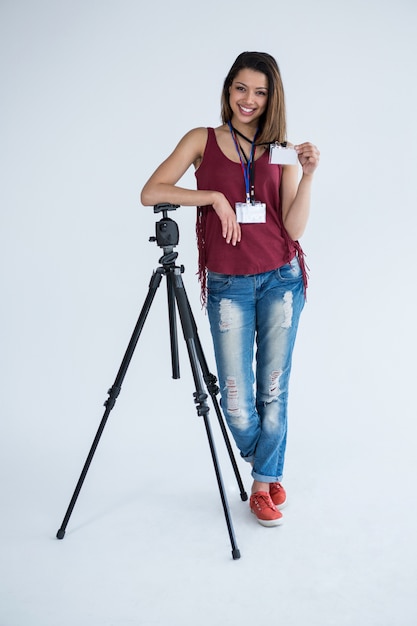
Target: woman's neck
[(245, 131)]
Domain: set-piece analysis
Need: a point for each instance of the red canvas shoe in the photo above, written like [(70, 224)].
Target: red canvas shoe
[(264, 509), (278, 495)]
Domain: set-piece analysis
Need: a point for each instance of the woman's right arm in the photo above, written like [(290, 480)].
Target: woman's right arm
[(161, 186)]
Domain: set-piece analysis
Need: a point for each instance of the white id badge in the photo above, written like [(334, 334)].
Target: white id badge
[(248, 213), (279, 155)]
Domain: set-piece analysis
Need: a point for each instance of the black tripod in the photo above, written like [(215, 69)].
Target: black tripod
[(167, 236)]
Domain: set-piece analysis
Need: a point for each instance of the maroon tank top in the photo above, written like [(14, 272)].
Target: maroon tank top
[(263, 247)]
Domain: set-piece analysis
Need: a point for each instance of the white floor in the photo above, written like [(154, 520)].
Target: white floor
[(147, 543)]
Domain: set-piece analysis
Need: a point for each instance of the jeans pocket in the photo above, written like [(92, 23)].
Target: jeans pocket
[(290, 271), (217, 283)]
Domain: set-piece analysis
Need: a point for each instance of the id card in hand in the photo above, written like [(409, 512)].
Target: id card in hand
[(280, 155), (248, 213)]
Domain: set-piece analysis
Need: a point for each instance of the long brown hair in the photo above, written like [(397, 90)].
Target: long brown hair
[(273, 124)]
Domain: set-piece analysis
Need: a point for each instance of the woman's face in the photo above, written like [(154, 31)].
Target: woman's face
[(248, 96)]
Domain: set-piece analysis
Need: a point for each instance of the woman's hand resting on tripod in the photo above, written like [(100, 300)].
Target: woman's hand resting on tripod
[(230, 226)]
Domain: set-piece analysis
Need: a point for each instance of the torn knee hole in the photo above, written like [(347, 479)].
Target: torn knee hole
[(274, 388), (232, 395), (225, 314)]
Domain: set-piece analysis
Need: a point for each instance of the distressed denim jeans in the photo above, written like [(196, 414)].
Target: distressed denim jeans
[(259, 310)]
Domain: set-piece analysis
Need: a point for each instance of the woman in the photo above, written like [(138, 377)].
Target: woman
[(250, 216)]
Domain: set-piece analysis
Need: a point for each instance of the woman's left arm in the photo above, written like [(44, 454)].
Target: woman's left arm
[(296, 196)]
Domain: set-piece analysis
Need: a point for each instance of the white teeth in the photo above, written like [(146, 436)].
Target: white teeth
[(246, 110)]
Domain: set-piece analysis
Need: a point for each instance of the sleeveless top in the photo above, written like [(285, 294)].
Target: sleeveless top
[(263, 247)]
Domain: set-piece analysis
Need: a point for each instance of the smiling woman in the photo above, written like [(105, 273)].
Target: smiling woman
[(250, 215), (264, 67), (248, 95)]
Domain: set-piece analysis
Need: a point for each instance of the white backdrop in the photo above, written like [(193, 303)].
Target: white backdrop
[(94, 94)]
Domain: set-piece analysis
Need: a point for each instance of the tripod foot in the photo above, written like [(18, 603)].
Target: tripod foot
[(60, 534), (236, 554)]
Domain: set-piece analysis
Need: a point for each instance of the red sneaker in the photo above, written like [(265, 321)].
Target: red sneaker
[(264, 509), (278, 495)]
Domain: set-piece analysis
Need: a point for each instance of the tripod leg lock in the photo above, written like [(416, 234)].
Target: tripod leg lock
[(200, 401), (211, 382), (113, 395)]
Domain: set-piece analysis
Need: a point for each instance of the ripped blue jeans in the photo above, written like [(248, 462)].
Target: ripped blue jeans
[(262, 310)]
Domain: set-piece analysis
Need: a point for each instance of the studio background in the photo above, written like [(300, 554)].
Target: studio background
[(94, 95)]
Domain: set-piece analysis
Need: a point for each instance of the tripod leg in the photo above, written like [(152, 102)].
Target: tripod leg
[(235, 549), (173, 331), (113, 393), (211, 384), (199, 396)]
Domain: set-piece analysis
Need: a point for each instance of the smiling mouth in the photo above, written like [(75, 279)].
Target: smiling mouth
[(245, 110)]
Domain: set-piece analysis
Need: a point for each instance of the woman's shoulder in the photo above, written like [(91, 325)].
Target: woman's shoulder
[(196, 134), (195, 140), (201, 133)]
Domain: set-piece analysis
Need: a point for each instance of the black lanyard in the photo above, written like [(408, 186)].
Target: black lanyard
[(248, 169)]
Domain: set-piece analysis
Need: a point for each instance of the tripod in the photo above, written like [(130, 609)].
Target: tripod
[(167, 237)]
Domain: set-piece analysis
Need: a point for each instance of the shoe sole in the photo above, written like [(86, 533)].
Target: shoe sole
[(281, 506), (268, 523)]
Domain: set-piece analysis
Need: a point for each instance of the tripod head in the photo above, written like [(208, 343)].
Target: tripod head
[(166, 230), (166, 233)]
